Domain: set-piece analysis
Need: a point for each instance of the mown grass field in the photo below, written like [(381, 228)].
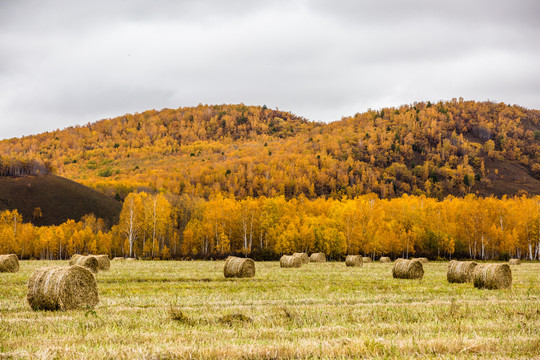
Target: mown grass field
[(177, 309)]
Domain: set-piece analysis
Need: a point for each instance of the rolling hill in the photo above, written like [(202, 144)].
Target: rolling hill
[(454, 147), (58, 198)]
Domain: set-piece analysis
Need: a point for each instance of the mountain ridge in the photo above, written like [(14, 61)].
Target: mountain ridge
[(447, 148)]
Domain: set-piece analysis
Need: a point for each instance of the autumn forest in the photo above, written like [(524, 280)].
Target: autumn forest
[(443, 180)]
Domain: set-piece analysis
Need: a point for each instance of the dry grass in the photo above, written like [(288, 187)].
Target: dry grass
[(170, 310), (177, 314), (233, 319)]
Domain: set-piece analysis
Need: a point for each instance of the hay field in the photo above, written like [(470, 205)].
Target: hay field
[(176, 309)]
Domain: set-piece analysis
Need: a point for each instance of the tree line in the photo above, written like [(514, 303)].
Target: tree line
[(164, 226), (23, 166)]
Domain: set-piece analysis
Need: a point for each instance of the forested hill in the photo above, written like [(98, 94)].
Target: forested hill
[(453, 147), (51, 200)]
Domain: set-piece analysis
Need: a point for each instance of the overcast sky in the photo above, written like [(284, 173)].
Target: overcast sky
[(70, 62)]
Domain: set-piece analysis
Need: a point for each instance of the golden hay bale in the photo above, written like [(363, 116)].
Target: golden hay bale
[(75, 258), (9, 263), (354, 260), (131, 259), (514, 262), (492, 276), (239, 267), (407, 269), (62, 288), (317, 257), (104, 263), (423, 260), (303, 256), (366, 259), (385, 259), (460, 271), (290, 261), (89, 262), (119, 259)]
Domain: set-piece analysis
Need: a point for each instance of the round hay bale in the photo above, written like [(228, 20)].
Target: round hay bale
[(303, 256), (354, 260), (514, 262), (119, 259), (239, 267), (104, 264), (423, 260), (75, 258), (385, 259), (492, 276), (290, 261), (407, 269), (366, 259), (317, 257), (131, 259), (9, 263), (62, 288), (89, 262), (460, 271)]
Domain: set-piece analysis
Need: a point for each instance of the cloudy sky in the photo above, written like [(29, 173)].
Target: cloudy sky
[(65, 63)]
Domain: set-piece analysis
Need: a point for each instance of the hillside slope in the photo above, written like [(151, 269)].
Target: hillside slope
[(58, 198), (454, 147)]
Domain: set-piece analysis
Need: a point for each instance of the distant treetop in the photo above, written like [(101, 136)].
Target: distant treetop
[(22, 167)]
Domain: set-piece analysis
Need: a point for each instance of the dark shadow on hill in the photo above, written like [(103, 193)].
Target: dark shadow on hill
[(58, 198), (507, 178)]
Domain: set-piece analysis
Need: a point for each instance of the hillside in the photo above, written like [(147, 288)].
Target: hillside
[(58, 198), (455, 147)]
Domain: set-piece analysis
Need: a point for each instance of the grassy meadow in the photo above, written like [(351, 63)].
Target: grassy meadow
[(187, 309)]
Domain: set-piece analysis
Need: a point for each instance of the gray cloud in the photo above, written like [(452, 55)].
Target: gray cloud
[(67, 63)]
